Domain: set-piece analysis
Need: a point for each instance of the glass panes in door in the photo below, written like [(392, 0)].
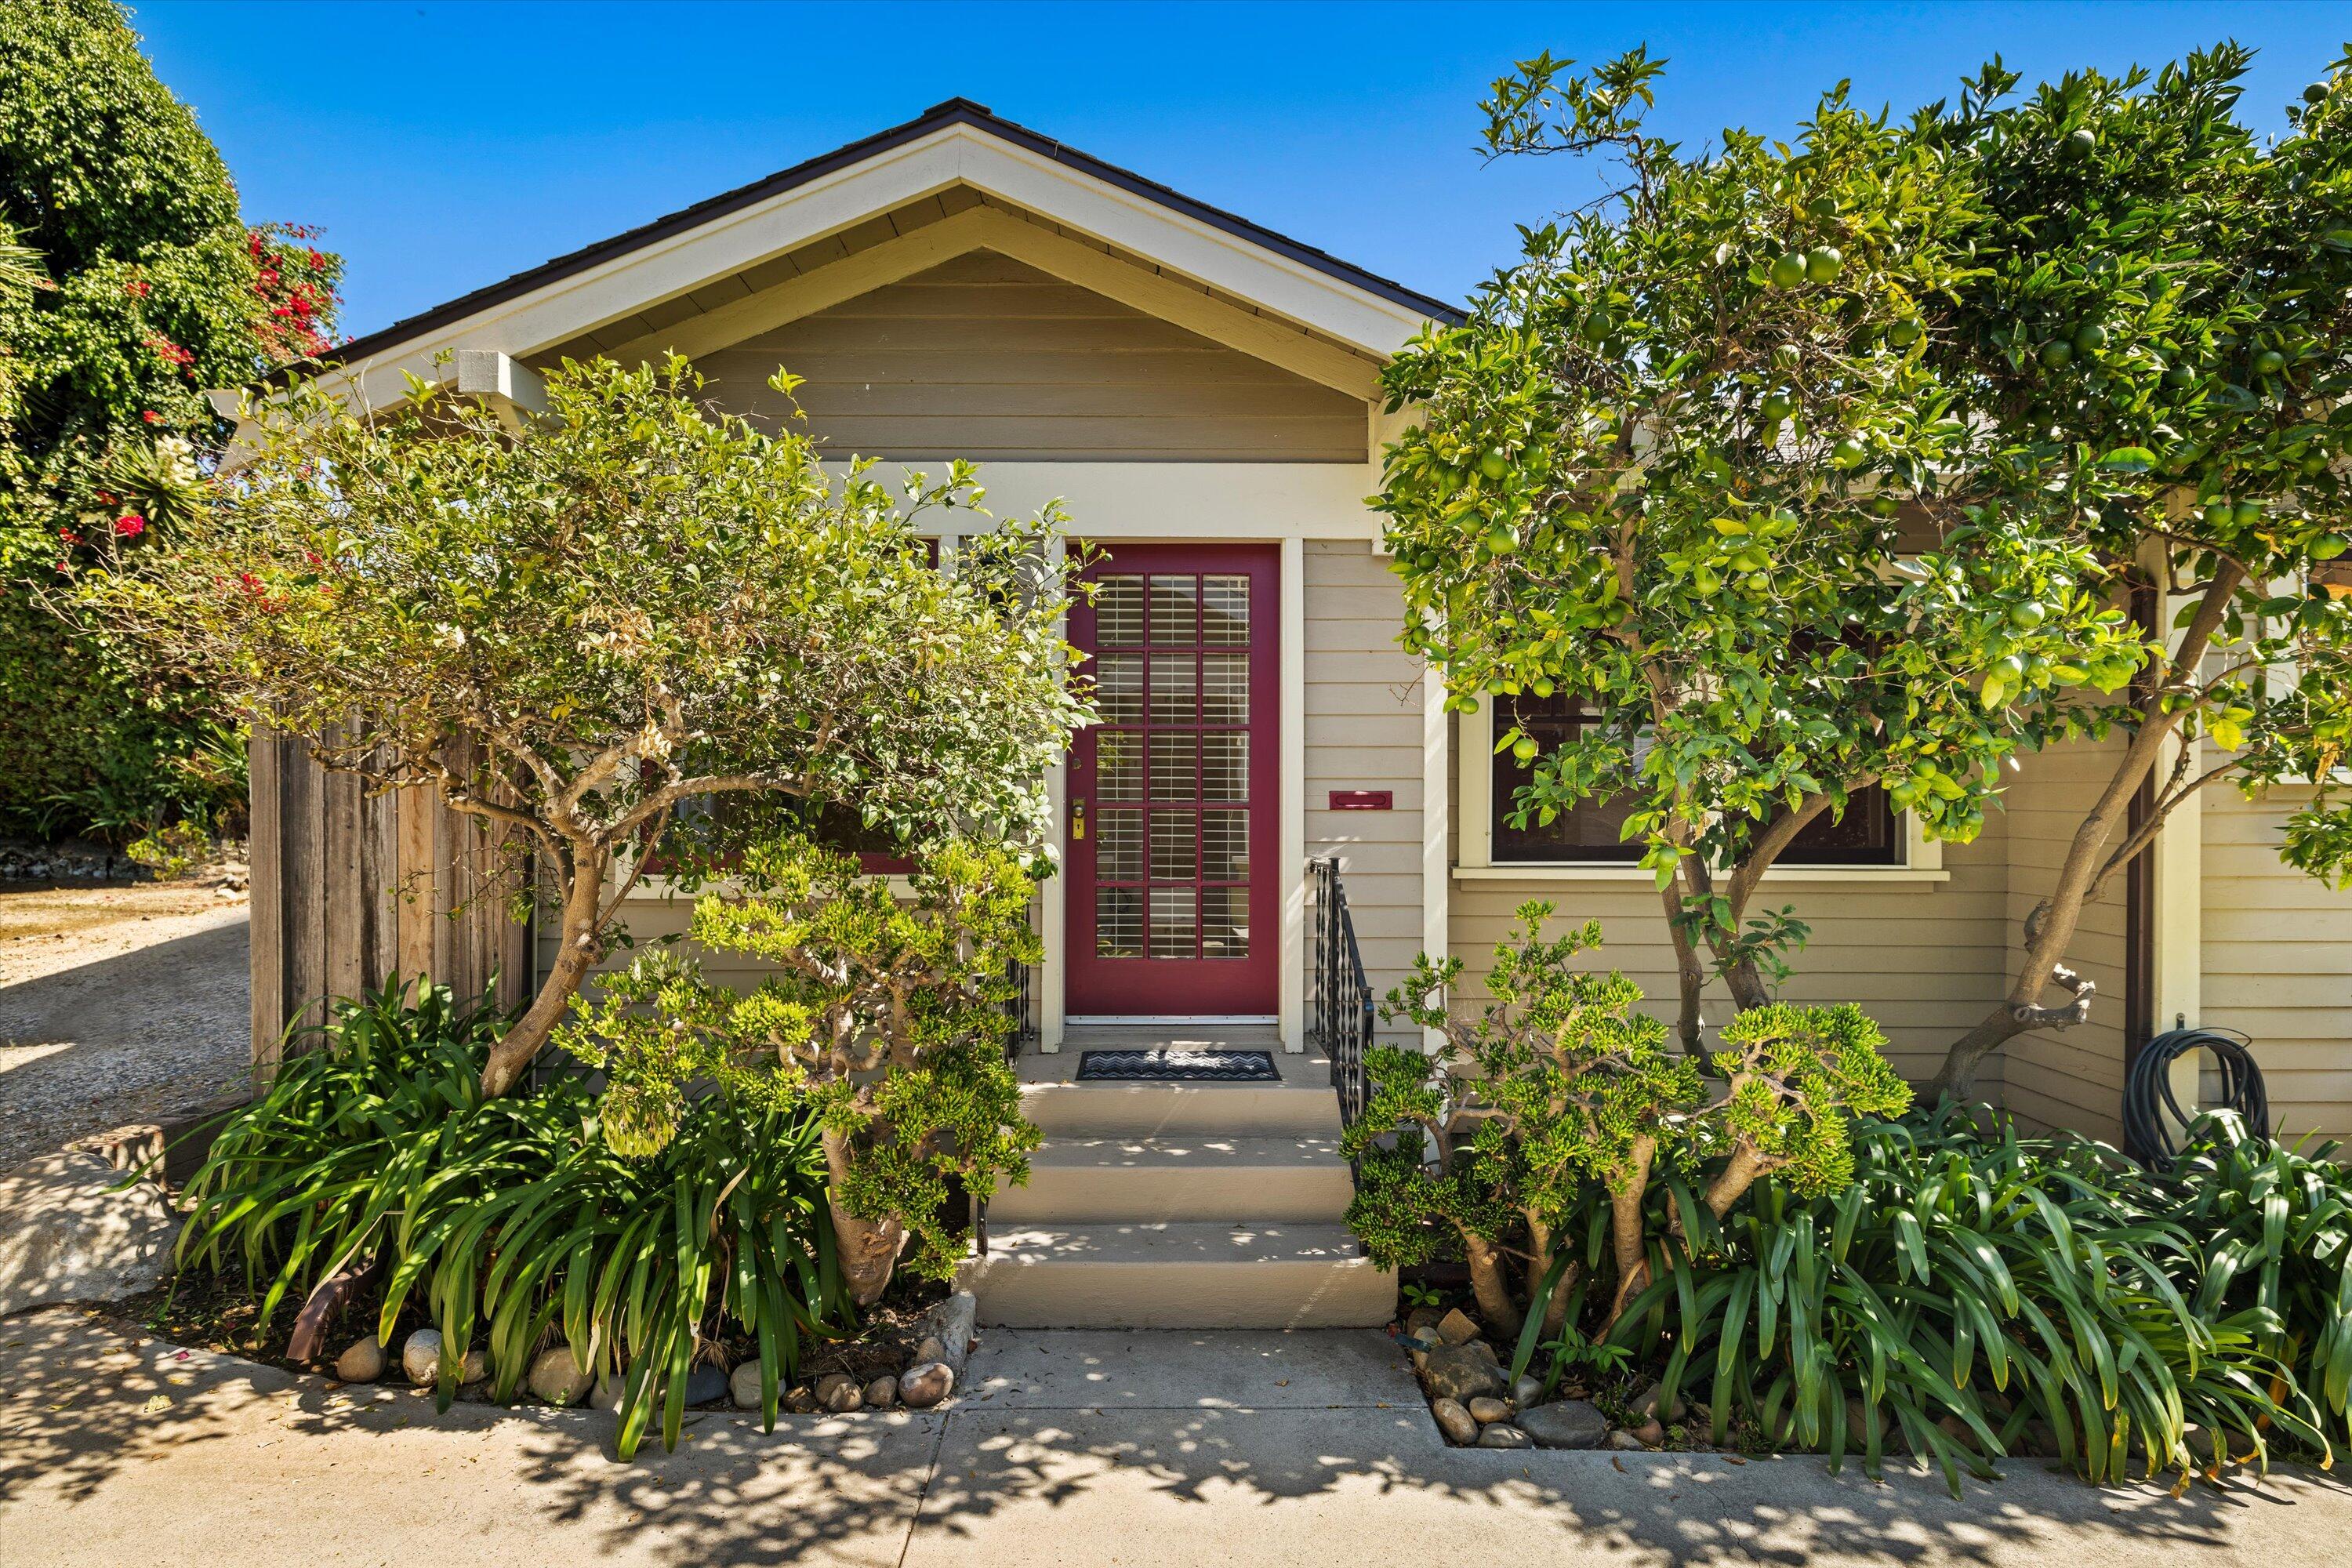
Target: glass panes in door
[(1171, 784)]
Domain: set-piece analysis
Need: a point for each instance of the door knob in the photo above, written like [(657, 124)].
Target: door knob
[(1077, 819)]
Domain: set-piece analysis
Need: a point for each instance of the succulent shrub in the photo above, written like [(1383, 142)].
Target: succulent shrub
[(885, 1021)]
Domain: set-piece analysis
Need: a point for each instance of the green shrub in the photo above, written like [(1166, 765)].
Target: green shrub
[(1970, 1294), (513, 1217)]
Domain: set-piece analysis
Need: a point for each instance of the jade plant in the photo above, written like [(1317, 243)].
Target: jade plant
[(885, 1018), (1561, 1082)]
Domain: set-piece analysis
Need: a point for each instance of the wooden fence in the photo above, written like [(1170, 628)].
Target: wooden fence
[(351, 887)]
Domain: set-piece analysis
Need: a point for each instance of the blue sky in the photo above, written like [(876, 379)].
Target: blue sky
[(443, 145)]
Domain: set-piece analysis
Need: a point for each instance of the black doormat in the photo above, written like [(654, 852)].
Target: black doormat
[(1179, 1066)]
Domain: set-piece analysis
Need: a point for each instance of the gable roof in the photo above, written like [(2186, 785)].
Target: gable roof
[(955, 112)]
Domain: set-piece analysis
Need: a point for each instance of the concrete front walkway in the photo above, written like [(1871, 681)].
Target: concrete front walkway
[(1074, 1448)]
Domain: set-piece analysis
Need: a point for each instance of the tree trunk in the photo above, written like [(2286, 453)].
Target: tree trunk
[(1490, 1286), (575, 954), (1625, 1242), (2050, 930), (1731, 1182), (868, 1248), (1690, 974), (1747, 984)]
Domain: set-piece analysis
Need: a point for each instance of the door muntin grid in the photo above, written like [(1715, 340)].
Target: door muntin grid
[(1172, 807)]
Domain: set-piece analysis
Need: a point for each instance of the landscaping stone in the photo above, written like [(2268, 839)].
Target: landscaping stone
[(557, 1378), (1625, 1442), (706, 1384), (1458, 1328), (882, 1393), (920, 1387), (838, 1391), (610, 1386), (1459, 1426), (1422, 1317), (1565, 1424), (1651, 1433), (1528, 1393), (743, 1386), (361, 1361), (1486, 1411), (1646, 1404), (73, 1235), (1462, 1373), (800, 1401), (420, 1357), (951, 1324), (1502, 1434)]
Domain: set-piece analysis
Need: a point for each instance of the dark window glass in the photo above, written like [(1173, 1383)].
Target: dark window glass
[(1868, 834), (1587, 831)]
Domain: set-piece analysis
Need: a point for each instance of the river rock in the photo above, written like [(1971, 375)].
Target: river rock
[(1646, 1404), (882, 1393), (951, 1322), (920, 1387), (1422, 1317), (743, 1386), (1528, 1393), (1458, 1328), (1460, 1428), (706, 1384), (420, 1357), (361, 1361), (1486, 1410), (1502, 1434), (606, 1398), (1462, 1373), (1565, 1424), (1652, 1433), (838, 1391), (557, 1378), (800, 1401), (1625, 1442), (77, 1231)]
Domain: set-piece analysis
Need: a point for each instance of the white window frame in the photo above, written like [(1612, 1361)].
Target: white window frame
[(1923, 858)]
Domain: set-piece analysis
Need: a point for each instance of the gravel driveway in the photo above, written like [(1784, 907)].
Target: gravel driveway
[(117, 1004)]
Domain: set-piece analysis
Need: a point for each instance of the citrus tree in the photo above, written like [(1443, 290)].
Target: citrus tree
[(886, 1018), (1687, 461), (2156, 337), (575, 630)]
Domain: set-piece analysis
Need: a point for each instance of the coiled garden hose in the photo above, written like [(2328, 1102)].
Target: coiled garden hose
[(2150, 1110)]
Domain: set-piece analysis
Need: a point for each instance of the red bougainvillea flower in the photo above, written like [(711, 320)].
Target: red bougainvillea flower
[(151, 416), (130, 525), (68, 536), (137, 289)]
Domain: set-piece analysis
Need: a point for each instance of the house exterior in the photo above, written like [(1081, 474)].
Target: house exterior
[(1201, 394)]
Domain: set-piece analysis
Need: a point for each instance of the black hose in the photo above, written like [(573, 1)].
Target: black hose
[(2148, 1098)]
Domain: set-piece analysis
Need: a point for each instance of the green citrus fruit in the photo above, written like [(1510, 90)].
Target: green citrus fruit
[(2249, 514), (2027, 615), (1493, 464), (2270, 361), (2180, 375), (2316, 93), (2328, 546), (1846, 453), (1524, 749), (1501, 540), (1788, 272), (1903, 335), (1823, 264), (2090, 338), (2057, 353), (2081, 143), (1776, 407)]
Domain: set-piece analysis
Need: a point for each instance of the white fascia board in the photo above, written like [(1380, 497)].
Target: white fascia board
[(734, 241), (1168, 501), (1201, 250)]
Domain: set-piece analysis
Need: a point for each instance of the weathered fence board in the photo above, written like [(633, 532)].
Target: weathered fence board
[(351, 887)]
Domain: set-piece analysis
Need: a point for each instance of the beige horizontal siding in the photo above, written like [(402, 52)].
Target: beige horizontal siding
[(1922, 958), (2072, 1077), (1363, 724), (988, 358), (2278, 961)]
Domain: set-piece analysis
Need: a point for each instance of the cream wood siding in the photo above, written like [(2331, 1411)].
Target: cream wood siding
[(988, 358), (1363, 731), (2278, 961), (1922, 958), (2072, 1077)]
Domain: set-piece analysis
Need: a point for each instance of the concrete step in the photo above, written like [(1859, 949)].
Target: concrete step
[(1268, 1275), (1306, 1108), (1210, 1177)]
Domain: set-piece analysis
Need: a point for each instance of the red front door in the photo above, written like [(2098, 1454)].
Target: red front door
[(1171, 823)]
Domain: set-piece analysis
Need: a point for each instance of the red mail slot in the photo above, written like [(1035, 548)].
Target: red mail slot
[(1364, 800)]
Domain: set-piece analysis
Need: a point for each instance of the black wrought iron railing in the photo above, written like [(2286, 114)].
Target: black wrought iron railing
[(1341, 1019)]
